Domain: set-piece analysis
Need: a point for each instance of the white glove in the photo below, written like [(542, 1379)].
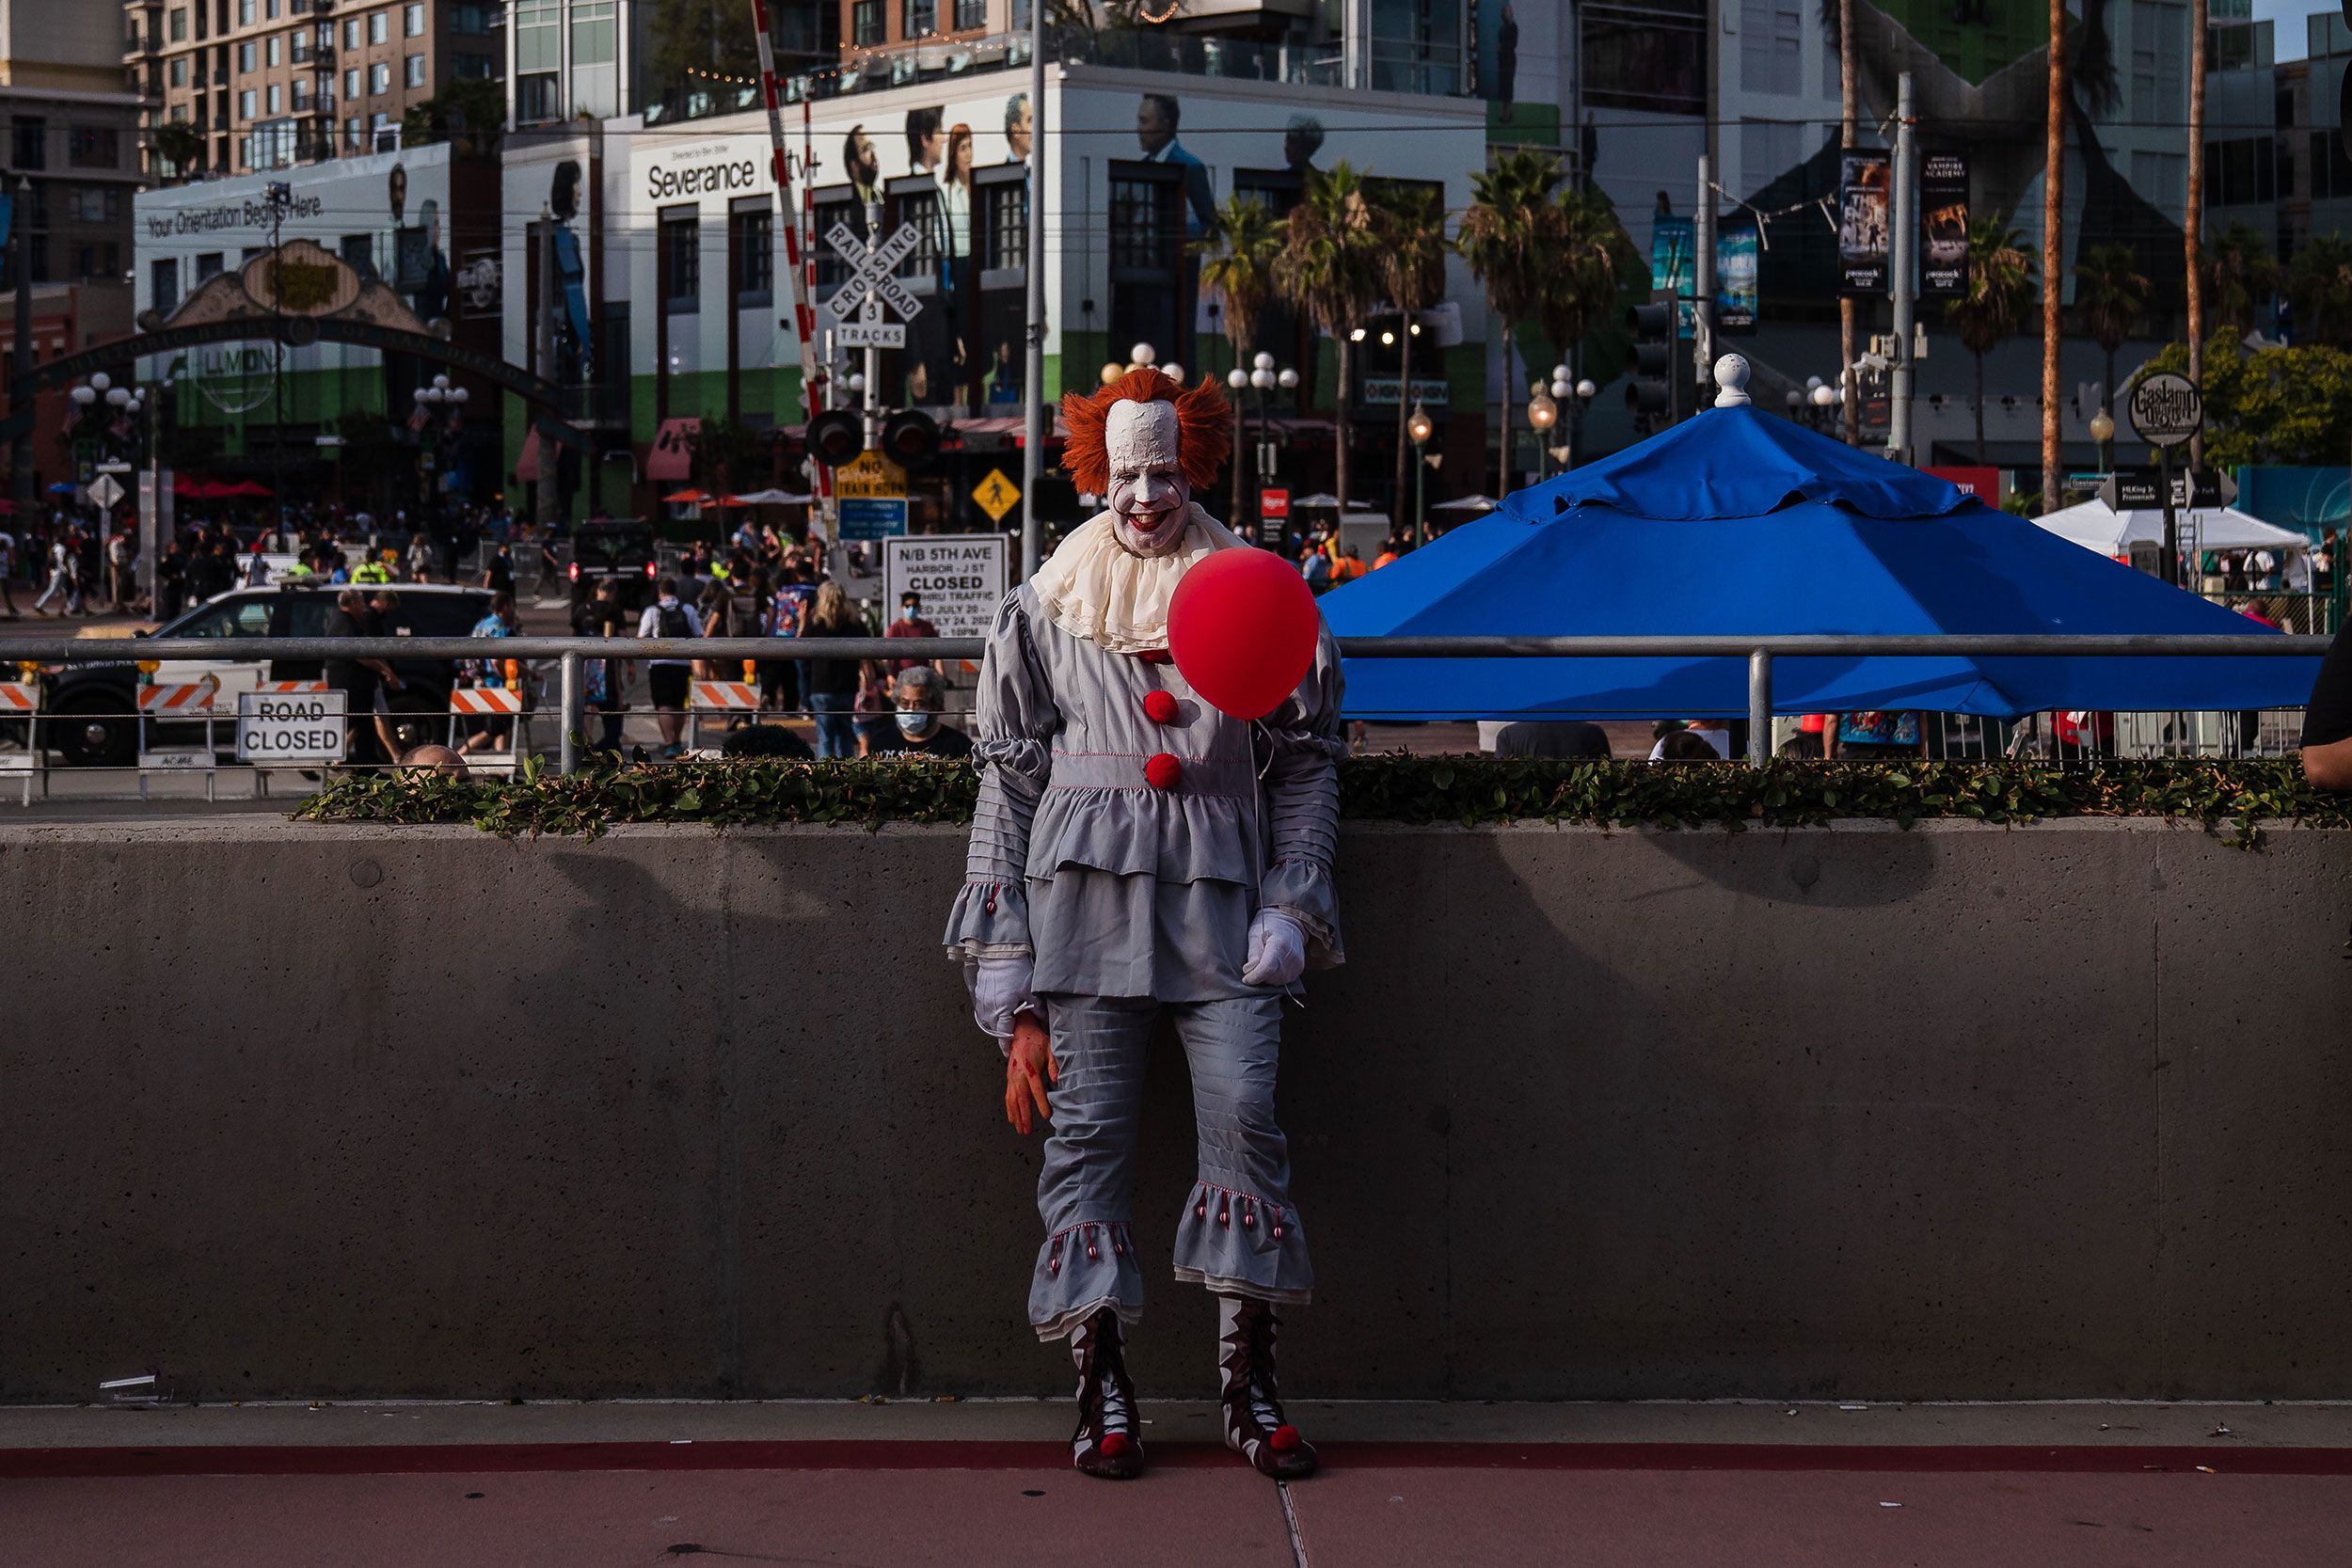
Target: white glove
[(1278, 950), (1001, 991)]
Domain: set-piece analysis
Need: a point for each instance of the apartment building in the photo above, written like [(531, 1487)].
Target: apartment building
[(270, 84), (71, 132)]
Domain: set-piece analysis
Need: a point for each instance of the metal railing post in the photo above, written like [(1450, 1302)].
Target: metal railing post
[(567, 749), (1759, 707)]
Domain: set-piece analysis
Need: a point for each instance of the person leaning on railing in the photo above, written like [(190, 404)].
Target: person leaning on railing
[(2328, 721)]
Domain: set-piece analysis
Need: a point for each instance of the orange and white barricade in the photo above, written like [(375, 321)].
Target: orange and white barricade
[(722, 697), (281, 689), (488, 701), (179, 702), (20, 704)]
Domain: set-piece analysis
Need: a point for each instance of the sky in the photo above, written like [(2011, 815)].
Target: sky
[(2290, 32)]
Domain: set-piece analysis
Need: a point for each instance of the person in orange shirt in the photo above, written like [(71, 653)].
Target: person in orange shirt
[(1347, 567)]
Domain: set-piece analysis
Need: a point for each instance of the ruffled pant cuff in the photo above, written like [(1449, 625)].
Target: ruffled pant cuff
[(1238, 1245), (1079, 1272)]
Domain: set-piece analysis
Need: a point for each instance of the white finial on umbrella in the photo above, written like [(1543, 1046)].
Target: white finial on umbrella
[(1731, 375)]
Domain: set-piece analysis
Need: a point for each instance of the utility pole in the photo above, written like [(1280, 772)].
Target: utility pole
[(2193, 217), (1703, 308), (1904, 260), (1848, 385), (544, 352), (873, 355), (20, 406), (1035, 422)]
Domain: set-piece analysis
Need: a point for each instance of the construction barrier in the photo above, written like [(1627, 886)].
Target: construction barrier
[(717, 697), (491, 703), (188, 701), (21, 703)]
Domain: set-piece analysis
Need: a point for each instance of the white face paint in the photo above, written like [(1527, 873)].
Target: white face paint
[(1149, 493)]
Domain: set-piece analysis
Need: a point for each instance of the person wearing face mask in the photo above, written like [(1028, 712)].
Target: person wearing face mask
[(1135, 853), (921, 732)]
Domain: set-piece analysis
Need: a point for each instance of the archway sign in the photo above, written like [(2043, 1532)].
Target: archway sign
[(299, 295)]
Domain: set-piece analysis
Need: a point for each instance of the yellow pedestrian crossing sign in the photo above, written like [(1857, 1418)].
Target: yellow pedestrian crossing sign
[(996, 494)]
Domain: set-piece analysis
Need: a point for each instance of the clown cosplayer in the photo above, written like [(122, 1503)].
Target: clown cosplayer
[(1135, 851)]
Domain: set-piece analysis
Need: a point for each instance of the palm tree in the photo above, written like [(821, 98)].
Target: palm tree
[(181, 144), (1846, 303), (1409, 221), (1582, 288), (1329, 268), (2239, 272), (1507, 236), (2319, 281), (2052, 255), (1237, 260), (2001, 283), (2110, 296)]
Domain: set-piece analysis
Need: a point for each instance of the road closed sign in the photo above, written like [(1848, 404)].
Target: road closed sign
[(959, 577), (290, 726)]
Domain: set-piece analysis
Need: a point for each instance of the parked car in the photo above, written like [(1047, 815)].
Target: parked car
[(89, 710)]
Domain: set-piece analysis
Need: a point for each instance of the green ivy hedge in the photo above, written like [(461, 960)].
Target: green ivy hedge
[(2239, 796)]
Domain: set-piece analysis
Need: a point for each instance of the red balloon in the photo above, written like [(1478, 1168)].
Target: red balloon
[(1242, 624)]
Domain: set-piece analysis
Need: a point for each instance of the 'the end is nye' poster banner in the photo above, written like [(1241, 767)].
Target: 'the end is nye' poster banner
[(1862, 224), (1739, 256), (1944, 225)]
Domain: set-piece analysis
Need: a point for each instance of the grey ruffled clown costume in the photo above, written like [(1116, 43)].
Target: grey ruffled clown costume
[(1127, 836)]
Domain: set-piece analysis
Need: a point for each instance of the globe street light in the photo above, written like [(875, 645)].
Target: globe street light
[(1542, 414), (2103, 430), (1419, 427), (1260, 379)]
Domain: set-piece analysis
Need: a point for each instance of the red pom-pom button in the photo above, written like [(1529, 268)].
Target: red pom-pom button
[(1162, 772), (1115, 1445), (1282, 1440), (1160, 706)]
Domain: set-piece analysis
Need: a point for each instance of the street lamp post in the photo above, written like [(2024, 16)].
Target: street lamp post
[(1585, 391), (126, 405), (2103, 432), (431, 437), (1420, 428), (1260, 379)]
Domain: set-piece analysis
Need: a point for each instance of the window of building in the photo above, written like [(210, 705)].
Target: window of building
[(179, 25), (473, 68), (246, 105), (469, 18), (1770, 38), (755, 257), (918, 18), (351, 83), (680, 260), (1147, 234), (179, 70), (207, 266), (831, 210), (302, 94), (351, 134), (537, 99), (865, 22), (380, 26), (412, 21), (1007, 220), (2159, 51), (1768, 150), (414, 74), (2162, 177), (31, 143), (298, 46), (245, 13), (94, 147), (538, 35), (918, 209), (163, 285), (971, 14), (359, 250), (380, 77), (269, 9), (272, 95), (594, 32), (94, 204), (351, 32), (1647, 55), (244, 56), (275, 52)]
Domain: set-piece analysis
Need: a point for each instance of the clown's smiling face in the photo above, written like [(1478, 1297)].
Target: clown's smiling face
[(1147, 490)]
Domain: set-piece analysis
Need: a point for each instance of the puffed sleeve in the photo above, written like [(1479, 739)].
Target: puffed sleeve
[(1014, 716), (1302, 793)]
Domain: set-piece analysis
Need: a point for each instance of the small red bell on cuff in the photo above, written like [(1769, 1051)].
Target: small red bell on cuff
[(1160, 706), (1163, 772)]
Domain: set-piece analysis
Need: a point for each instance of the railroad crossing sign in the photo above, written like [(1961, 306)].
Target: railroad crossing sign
[(104, 492), (2166, 410), (872, 285), (996, 494)]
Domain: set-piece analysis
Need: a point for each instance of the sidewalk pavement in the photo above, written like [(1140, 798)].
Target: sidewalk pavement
[(973, 1483)]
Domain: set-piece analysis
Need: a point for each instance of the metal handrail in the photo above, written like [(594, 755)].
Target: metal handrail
[(1758, 650)]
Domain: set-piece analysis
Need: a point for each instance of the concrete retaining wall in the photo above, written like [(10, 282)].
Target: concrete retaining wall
[(1960, 1112)]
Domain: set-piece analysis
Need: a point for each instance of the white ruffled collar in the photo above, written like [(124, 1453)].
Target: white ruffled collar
[(1094, 587)]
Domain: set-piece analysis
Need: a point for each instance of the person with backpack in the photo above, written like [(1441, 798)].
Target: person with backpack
[(668, 679)]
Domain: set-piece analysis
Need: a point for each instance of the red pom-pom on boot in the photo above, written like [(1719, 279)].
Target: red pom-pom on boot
[(1255, 1427)]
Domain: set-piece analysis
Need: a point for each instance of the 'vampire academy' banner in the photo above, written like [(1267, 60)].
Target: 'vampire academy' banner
[(1862, 224), (1738, 252), (1943, 225)]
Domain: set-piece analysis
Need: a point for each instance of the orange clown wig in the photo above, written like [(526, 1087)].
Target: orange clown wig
[(1204, 427)]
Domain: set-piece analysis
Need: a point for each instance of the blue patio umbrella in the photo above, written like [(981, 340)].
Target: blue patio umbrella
[(1741, 523), (62, 488)]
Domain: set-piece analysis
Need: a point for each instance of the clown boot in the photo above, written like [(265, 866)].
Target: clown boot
[(1104, 1443), (1255, 1427)]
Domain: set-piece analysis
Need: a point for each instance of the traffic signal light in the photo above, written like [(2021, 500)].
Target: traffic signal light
[(909, 438), (1649, 394), (836, 436)]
